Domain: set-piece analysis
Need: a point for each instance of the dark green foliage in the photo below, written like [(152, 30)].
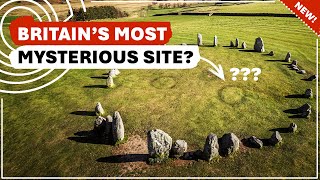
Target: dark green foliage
[(101, 12)]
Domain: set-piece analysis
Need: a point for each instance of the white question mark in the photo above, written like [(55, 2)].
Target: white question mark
[(246, 72), (256, 74), (235, 73)]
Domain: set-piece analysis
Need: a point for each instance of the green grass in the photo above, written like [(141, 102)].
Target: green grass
[(187, 104)]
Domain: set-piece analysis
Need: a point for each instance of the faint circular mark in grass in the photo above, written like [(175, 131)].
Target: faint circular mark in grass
[(165, 82), (232, 95)]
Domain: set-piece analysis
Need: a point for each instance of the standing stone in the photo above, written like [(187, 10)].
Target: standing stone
[(99, 110), (199, 39), (255, 142), (311, 78), (292, 127), (229, 143), (211, 147), (159, 144), (110, 83), (237, 43), (295, 68), (231, 44), (304, 108), (244, 45), (275, 138), (108, 130), (116, 71), (301, 71), (215, 41), (259, 45), (308, 93), (288, 57), (271, 53), (112, 73), (99, 125), (294, 62), (179, 148), (117, 128), (306, 114)]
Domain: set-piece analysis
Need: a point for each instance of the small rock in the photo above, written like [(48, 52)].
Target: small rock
[(301, 71), (255, 142), (179, 148), (117, 128), (215, 41), (159, 144), (308, 93), (259, 45), (99, 110), (231, 44), (237, 43), (244, 45), (110, 83), (211, 147), (229, 143), (288, 57), (271, 53), (292, 127), (275, 138), (199, 39)]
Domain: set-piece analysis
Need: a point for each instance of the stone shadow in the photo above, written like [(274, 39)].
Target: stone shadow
[(125, 158), (99, 77), (84, 113), (89, 137), (96, 86), (295, 96), (275, 60)]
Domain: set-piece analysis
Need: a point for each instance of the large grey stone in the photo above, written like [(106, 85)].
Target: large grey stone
[(259, 45), (112, 73), (301, 71), (159, 144), (275, 138), (211, 147), (229, 143), (99, 110), (215, 41), (306, 114), (254, 142), (117, 128), (199, 39), (179, 148)]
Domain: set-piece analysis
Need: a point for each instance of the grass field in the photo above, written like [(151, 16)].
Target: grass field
[(44, 131)]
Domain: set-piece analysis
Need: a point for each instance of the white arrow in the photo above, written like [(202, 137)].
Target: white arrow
[(219, 71)]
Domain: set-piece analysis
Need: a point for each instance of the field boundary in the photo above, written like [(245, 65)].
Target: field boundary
[(227, 14)]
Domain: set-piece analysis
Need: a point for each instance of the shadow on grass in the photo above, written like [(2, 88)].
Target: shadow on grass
[(307, 79), (291, 111), (247, 50), (280, 130), (246, 143), (295, 96), (84, 113), (124, 158), (99, 77), (275, 60), (96, 86), (89, 137)]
